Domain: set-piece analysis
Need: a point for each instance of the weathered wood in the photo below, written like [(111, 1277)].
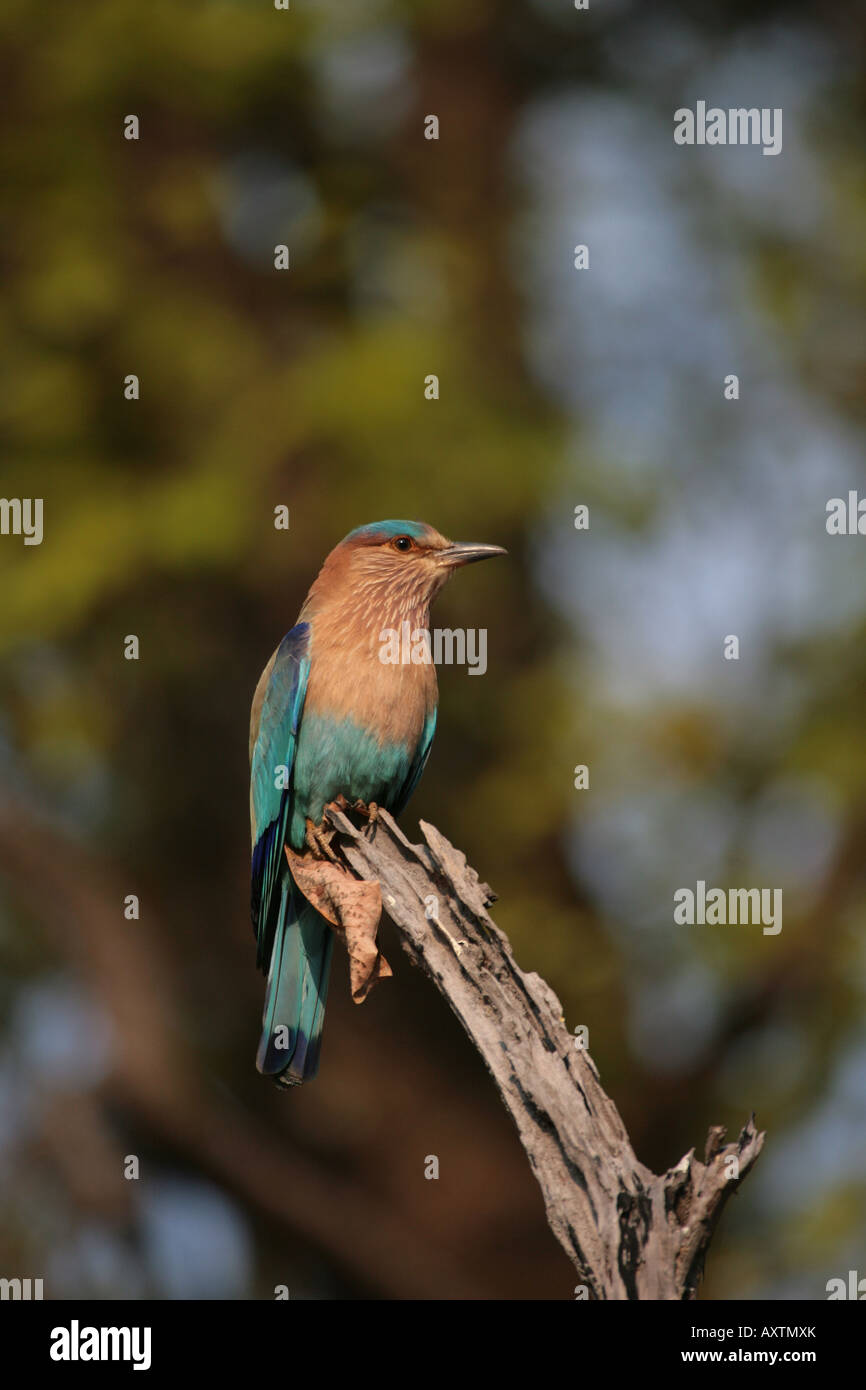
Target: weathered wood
[(632, 1234)]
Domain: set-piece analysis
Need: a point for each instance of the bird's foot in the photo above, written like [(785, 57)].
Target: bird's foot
[(318, 838), (371, 811)]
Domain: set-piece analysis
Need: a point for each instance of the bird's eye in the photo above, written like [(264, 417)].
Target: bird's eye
[(403, 543)]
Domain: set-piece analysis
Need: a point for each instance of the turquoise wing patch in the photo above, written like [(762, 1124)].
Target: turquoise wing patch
[(271, 780), (419, 762)]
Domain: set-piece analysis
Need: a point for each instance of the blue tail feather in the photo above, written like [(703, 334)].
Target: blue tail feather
[(296, 991)]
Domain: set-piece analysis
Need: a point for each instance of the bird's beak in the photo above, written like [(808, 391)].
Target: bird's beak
[(460, 553)]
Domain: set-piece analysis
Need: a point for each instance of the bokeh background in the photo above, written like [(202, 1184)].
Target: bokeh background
[(305, 389)]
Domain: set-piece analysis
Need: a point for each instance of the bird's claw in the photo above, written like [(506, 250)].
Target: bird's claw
[(318, 838), (368, 809), (371, 811)]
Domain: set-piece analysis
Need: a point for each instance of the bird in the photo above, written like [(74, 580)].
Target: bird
[(331, 720)]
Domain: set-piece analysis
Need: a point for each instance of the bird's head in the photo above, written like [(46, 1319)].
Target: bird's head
[(394, 565)]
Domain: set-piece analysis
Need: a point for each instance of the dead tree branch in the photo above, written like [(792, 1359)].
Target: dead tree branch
[(632, 1234)]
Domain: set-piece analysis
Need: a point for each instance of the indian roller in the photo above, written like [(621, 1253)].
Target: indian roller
[(332, 719)]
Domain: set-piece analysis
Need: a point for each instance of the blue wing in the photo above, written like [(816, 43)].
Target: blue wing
[(270, 803), (419, 762)]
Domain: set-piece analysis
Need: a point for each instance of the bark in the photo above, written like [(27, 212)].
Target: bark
[(631, 1233)]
